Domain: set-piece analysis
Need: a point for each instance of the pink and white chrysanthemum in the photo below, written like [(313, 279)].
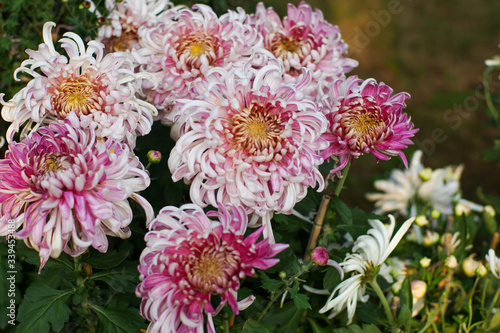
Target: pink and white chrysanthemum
[(189, 258), (304, 39), (99, 89), (187, 44), (365, 118), (252, 141), (120, 31), (68, 191)]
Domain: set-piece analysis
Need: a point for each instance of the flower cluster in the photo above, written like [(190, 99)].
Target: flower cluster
[(256, 104)]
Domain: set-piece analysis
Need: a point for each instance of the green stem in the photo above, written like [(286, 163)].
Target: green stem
[(493, 302), (225, 322), (487, 95), (276, 295), (383, 300), (340, 184), (469, 322)]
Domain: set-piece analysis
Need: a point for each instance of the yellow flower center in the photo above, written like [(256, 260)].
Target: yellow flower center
[(196, 45), (281, 45), (255, 130), (51, 163), (365, 124), (76, 93)]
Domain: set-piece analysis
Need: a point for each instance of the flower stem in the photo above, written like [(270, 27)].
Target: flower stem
[(225, 322), (320, 216), (383, 300), (276, 295)]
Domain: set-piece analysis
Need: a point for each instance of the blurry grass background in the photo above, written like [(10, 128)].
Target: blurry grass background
[(434, 50)]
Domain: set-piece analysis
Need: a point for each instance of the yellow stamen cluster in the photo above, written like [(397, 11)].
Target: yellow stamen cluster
[(76, 93)]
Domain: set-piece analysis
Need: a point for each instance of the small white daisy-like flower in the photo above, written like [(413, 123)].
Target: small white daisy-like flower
[(372, 251), (100, 90)]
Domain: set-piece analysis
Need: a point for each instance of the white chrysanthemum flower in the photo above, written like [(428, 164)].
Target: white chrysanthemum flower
[(120, 31), (494, 263), (372, 251), (99, 89), (436, 189)]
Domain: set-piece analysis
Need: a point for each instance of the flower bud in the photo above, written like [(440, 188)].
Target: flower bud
[(418, 289), (320, 256), (425, 174), (470, 266), (430, 238), (421, 220), (435, 214), (489, 219), (461, 209), (282, 275), (481, 270), (451, 262), (425, 262), (154, 156)]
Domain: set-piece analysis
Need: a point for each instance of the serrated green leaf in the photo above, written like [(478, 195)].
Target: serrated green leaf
[(315, 326), (295, 289), (106, 260), (301, 301), (118, 319), (269, 284), (121, 279), (42, 306)]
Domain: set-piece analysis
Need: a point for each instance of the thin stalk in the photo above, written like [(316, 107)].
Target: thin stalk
[(469, 322), (383, 300), (320, 216), (225, 322), (276, 295), (487, 95)]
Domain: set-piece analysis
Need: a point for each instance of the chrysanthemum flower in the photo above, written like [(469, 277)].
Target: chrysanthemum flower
[(418, 186), (304, 39), (189, 258), (187, 44), (68, 191), (365, 118), (99, 90), (372, 251), (120, 31), (250, 141)]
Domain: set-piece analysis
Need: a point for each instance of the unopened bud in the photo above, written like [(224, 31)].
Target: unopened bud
[(470, 265), (425, 262), (481, 271), (320, 256), (421, 220), (418, 288), (425, 174), (435, 214), (154, 156), (489, 219), (282, 275), (430, 238), (451, 262), (461, 209)]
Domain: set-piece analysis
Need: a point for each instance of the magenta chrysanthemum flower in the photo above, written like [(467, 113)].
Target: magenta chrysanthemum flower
[(252, 141), (120, 31), (68, 191), (99, 89), (189, 258), (365, 118), (304, 39), (187, 44)]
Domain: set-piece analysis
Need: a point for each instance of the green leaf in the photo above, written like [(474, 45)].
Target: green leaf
[(301, 301), (343, 211), (331, 279), (106, 260), (404, 315), (121, 279), (269, 284), (251, 326), (43, 305), (495, 321), (118, 319), (315, 326)]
